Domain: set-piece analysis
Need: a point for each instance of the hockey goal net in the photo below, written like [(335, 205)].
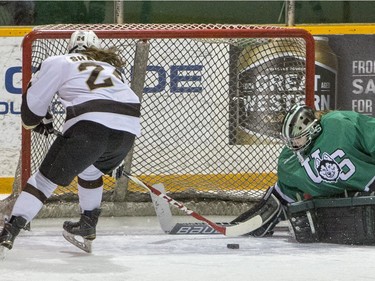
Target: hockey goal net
[(213, 97)]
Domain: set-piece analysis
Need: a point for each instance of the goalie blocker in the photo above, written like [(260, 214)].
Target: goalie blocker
[(349, 220)]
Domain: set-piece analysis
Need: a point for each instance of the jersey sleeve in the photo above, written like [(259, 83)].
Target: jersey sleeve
[(42, 87)]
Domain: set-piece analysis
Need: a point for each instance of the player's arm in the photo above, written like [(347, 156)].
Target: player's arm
[(39, 94)]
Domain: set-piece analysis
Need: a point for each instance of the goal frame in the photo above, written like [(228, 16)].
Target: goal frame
[(146, 34)]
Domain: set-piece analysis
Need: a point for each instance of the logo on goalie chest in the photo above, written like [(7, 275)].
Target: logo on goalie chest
[(329, 167)]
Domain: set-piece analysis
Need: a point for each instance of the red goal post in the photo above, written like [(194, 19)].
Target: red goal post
[(209, 128)]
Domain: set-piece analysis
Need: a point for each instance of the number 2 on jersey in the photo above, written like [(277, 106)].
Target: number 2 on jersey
[(95, 74)]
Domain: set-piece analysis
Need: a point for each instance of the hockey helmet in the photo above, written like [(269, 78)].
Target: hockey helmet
[(80, 40), (300, 127)]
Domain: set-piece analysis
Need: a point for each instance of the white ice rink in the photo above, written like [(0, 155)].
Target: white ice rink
[(135, 248)]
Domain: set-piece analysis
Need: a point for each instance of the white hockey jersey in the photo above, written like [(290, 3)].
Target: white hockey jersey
[(88, 90)]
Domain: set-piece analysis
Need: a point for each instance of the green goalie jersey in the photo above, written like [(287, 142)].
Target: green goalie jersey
[(341, 158)]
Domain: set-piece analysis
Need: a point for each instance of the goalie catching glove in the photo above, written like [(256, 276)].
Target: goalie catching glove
[(269, 209), (45, 127)]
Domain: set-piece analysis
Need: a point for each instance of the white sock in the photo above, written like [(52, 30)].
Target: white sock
[(90, 198), (27, 206)]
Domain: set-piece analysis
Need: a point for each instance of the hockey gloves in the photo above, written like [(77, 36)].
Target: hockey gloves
[(45, 126)]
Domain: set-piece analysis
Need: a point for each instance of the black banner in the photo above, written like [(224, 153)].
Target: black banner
[(356, 72)]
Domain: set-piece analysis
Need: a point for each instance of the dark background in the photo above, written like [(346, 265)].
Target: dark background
[(349, 48)]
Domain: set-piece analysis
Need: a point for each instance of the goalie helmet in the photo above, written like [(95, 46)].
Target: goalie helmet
[(300, 127), (80, 40)]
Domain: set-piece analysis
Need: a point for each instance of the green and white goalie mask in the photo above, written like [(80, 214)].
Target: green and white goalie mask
[(299, 128)]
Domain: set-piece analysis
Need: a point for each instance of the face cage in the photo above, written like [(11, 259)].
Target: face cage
[(299, 143)]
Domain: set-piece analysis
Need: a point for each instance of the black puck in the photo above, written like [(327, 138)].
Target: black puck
[(233, 246)]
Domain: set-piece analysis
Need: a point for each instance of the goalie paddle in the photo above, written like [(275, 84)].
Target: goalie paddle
[(238, 229)]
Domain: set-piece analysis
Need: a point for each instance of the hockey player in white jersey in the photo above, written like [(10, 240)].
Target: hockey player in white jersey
[(102, 121)]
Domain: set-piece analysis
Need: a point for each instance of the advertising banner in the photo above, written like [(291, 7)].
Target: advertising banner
[(10, 101), (356, 72)]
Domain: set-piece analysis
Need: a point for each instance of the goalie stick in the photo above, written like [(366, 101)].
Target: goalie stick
[(230, 230)]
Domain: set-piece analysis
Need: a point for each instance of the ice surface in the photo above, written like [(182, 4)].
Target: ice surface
[(135, 248)]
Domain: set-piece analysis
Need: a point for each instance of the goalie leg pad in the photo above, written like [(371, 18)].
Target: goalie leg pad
[(303, 226), (354, 225), (341, 221), (269, 209)]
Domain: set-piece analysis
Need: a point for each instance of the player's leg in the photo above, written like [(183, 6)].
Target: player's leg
[(90, 189), (106, 150), (66, 158), (90, 183), (38, 189), (26, 207)]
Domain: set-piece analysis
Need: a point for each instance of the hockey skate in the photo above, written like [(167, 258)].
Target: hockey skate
[(9, 232), (82, 233)]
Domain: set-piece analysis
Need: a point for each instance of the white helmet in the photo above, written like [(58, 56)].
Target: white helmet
[(81, 40), (299, 128)]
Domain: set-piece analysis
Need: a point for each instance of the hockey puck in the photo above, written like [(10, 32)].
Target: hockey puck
[(233, 246)]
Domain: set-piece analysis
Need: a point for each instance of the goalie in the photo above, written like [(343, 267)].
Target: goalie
[(326, 176)]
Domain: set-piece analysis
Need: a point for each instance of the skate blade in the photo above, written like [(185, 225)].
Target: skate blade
[(3, 252), (85, 245)]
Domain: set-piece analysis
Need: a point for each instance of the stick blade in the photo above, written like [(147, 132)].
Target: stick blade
[(162, 209)]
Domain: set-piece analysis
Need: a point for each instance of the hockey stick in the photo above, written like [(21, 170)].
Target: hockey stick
[(237, 229), (168, 225), (166, 221), (191, 228)]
